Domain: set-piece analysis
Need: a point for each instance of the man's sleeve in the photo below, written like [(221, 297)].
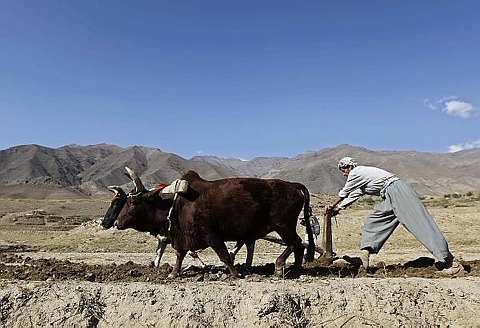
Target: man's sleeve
[(352, 197), (353, 183)]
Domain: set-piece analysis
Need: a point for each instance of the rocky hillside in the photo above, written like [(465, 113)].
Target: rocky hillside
[(428, 173), (88, 169)]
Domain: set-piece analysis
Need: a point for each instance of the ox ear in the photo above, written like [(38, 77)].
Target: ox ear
[(136, 180)]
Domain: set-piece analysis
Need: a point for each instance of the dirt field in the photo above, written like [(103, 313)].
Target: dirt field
[(59, 268)]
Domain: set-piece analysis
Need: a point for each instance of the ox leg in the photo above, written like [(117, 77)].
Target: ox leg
[(294, 244), (197, 259), (221, 249), (235, 250), (178, 263), (162, 244), (280, 262), (250, 248), (299, 250)]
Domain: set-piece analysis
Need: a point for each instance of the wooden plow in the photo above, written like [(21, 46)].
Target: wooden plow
[(327, 241), (326, 251), (277, 240)]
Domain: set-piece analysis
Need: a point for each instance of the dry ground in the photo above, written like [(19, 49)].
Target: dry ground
[(58, 267)]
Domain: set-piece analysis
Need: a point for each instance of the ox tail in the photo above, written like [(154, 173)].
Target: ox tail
[(306, 214)]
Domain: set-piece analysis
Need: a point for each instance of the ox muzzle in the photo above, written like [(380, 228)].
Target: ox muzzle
[(118, 202)]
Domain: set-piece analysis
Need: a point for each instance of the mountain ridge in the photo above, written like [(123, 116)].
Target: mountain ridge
[(89, 169)]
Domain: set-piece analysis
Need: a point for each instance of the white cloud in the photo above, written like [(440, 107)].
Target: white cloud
[(458, 108), (445, 99), (451, 105), (429, 104), (464, 146)]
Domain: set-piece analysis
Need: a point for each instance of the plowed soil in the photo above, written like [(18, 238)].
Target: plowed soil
[(13, 266)]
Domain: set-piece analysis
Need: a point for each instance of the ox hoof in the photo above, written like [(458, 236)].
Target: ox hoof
[(172, 275), (235, 275), (279, 272), (247, 271)]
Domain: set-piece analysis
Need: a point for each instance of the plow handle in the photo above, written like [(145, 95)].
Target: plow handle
[(327, 243)]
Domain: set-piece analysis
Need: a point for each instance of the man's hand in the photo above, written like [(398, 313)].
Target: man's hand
[(331, 210), (327, 209)]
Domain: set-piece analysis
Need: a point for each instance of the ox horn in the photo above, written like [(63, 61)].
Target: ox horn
[(136, 180), (116, 190)]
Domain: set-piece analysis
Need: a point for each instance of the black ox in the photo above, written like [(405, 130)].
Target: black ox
[(212, 212)]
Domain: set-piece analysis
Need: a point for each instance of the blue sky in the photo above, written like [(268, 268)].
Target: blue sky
[(241, 78)]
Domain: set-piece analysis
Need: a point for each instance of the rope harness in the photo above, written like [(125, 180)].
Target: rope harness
[(176, 187), (170, 212)]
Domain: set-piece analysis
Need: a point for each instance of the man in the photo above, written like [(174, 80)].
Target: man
[(400, 205)]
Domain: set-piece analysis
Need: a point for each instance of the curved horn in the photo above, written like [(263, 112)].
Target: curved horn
[(116, 190), (136, 180)]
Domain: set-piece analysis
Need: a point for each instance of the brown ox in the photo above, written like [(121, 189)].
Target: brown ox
[(212, 212)]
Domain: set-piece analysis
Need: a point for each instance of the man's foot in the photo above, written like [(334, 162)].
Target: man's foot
[(365, 257), (451, 269)]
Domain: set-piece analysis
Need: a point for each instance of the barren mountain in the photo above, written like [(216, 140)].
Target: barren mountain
[(34, 164), (257, 167), (428, 173), (151, 164), (37, 171), (88, 169)]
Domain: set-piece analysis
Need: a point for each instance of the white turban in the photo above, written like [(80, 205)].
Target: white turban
[(346, 161)]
